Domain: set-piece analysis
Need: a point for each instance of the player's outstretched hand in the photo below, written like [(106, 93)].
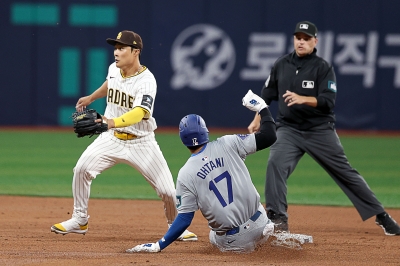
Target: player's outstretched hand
[(149, 247), (253, 102)]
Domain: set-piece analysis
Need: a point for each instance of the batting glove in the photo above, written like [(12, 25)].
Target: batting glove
[(253, 102), (149, 248)]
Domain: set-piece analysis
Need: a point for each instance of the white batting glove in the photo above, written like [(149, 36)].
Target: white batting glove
[(253, 102), (149, 248)]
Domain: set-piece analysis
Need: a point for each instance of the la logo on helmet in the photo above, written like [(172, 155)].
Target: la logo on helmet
[(195, 143)]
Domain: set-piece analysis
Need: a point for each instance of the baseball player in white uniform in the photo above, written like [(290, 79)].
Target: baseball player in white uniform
[(215, 180), (130, 90)]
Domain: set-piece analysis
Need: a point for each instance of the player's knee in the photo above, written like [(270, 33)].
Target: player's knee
[(83, 172)]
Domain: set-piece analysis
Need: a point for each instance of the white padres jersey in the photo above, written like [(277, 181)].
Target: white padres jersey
[(125, 93), (142, 153), (217, 182)]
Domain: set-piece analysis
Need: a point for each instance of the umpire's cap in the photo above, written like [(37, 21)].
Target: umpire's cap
[(193, 130), (129, 38), (306, 27)]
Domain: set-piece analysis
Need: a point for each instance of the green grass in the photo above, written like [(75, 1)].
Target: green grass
[(37, 163)]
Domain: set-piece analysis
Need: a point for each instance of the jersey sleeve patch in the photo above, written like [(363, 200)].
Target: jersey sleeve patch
[(178, 201), (332, 86), (147, 101)]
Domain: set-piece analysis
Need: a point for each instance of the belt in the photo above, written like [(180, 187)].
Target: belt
[(124, 136), (236, 230)]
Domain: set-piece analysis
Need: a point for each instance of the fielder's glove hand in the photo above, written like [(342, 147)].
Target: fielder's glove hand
[(253, 102), (85, 123), (149, 247)]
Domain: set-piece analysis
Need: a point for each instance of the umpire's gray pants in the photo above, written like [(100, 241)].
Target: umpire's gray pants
[(323, 145)]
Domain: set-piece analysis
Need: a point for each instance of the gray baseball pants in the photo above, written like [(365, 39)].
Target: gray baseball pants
[(323, 145), (247, 236)]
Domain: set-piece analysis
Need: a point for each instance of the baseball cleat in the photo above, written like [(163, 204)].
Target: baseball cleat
[(281, 226), (388, 224), (70, 226), (187, 236), (281, 223)]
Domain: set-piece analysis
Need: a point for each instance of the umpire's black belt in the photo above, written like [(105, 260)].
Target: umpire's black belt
[(236, 230)]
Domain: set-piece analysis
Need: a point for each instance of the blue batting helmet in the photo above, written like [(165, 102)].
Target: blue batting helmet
[(193, 130)]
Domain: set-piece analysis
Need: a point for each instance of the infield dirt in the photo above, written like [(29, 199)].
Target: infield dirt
[(340, 236)]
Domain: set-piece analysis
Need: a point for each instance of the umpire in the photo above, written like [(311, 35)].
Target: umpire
[(304, 85)]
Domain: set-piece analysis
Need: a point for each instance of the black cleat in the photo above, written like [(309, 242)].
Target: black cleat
[(281, 222), (388, 224)]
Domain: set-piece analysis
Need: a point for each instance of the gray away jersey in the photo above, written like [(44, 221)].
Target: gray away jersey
[(217, 182)]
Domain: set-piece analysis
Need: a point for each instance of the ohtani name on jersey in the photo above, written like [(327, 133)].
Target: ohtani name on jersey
[(208, 167), (120, 98)]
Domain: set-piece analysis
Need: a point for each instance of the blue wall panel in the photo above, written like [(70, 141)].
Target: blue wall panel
[(205, 55)]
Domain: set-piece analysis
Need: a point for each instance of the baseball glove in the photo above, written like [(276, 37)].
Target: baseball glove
[(85, 125)]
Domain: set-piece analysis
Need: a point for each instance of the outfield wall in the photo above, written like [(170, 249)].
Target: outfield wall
[(205, 55)]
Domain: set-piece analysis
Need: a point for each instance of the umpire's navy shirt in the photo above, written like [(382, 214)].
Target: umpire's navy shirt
[(306, 76)]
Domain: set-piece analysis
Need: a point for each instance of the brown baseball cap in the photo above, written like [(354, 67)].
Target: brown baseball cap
[(129, 38), (306, 27)]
